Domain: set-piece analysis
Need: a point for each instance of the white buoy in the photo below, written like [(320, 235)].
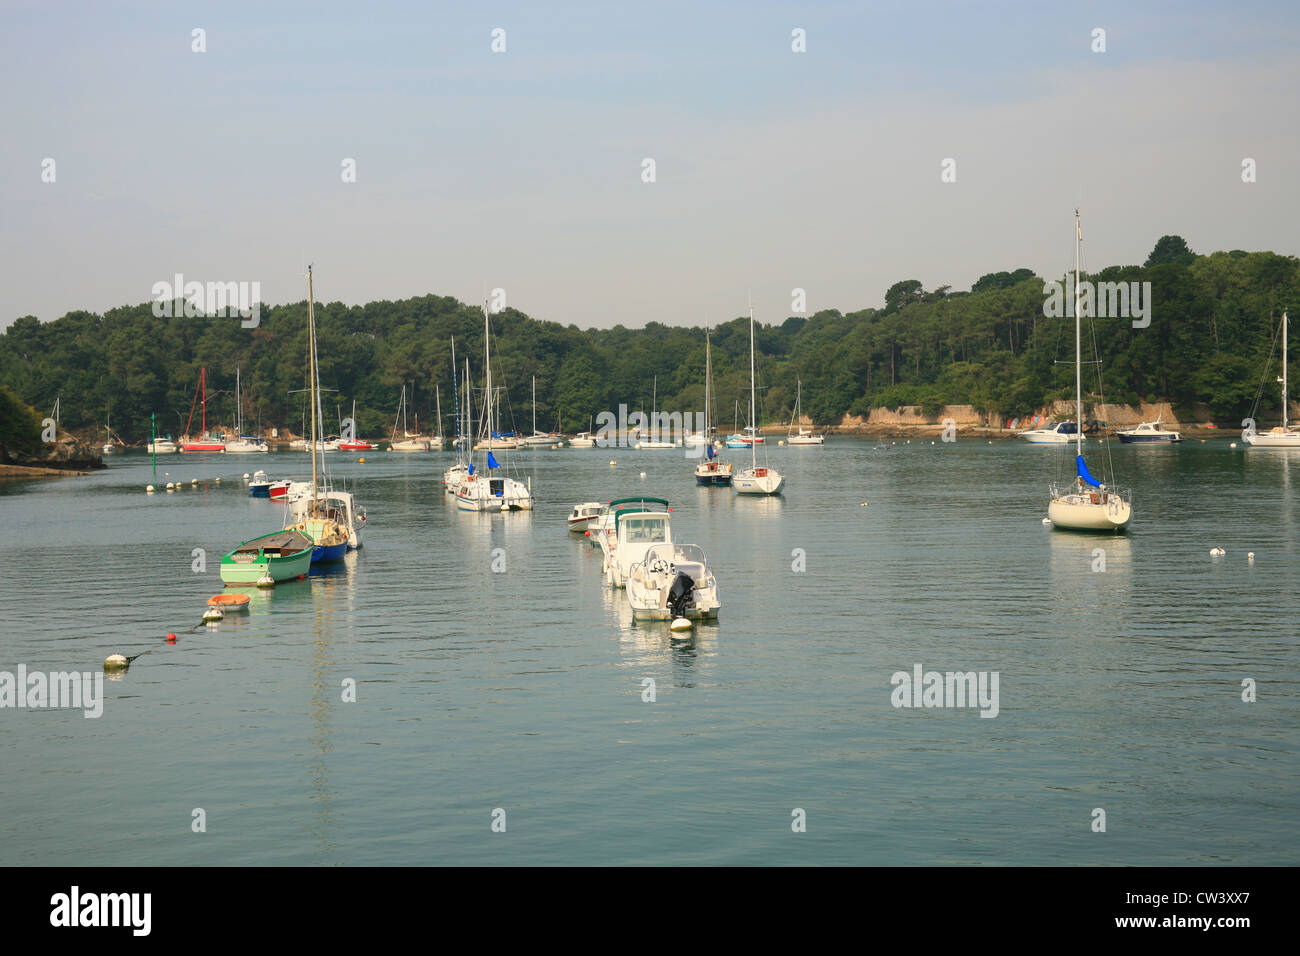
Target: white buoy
[(194, 481), (149, 489), (681, 624), (1217, 552), (1047, 521), (1232, 444), (643, 476), (212, 615), (638, 446), (169, 486), (218, 481), (115, 662), (862, 505), (266, 581), (245, 476), (612, 463), (1250, 556), (781, 442)]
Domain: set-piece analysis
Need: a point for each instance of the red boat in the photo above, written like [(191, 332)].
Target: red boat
[(205, 442), (356, 445), (279, 489)]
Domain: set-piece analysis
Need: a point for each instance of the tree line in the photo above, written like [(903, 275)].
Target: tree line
[(1212, 332)]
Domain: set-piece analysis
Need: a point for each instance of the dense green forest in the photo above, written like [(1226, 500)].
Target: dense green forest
[(1213, 327)]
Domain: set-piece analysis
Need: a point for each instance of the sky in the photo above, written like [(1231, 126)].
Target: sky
[(524, 170)]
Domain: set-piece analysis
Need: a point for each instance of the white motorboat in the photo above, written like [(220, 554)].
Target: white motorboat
[(582, 440), (756, 479), (634, 532), (1284, 436), (1060, 433), (161, 446), (672, 581), (1148, 433), (582, 515), (1085, 504)]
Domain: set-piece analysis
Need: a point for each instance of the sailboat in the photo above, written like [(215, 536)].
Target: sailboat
[(435, 440), (354, 443), (407, 442), (243, 443), (204, 442), (490, 491), (804, 436), (710, 471), (653, 440), (328, 518), (756, 479), (111, 447), (1285, 436), (537, 438), (459, 471), (584, 439), (1085, 504)]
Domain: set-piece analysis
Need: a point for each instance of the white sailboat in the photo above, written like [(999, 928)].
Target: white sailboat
[(243, 444), (651, 439), (804, 436), (490, 490), (1285, 436), (537, 438), (756, 479), (407, 442), (435, 440), (459, 471), (1085, 504)]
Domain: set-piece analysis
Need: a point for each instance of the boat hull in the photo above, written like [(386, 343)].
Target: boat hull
[(248, 566), (1267, 440), (1078, 513), (763, 482), (1149, 439)]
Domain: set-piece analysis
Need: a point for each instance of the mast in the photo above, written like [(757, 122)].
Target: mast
[(708, 375), (311, 380), (203, 382), (1078, 343), (753, 416), (534, 404), (437, 397), (1284, 371), (487, 365)]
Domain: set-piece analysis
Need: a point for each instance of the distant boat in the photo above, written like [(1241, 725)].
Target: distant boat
[(243, 443), (407, 442), (756, 479), (161, 446), (804, 436), (355, 444), (1285, 436), (1085, 504), (582, 440), (538, 438), (1149, 433), (711, 471), (283, 555), (651, 439), (582, 515), (1061, 433), (205, 442)]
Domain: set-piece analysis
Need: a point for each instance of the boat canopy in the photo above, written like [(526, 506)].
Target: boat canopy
[(637, 499), (1084, 474)]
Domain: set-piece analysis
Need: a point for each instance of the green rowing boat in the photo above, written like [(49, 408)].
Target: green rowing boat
[(284, 555)]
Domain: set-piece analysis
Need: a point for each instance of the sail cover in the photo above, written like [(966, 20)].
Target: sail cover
[(709, 450), (492, 462), (1085, 474)]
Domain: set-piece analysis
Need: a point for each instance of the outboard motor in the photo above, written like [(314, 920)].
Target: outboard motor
[(681, 596)]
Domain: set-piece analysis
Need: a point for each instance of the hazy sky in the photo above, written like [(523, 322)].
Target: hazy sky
[(523, 169)]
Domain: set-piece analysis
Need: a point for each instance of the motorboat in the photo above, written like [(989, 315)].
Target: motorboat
[(1060, 433), (1148, 433), (672, 581), (582, 515)]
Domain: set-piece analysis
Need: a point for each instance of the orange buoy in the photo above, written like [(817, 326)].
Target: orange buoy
[(171, 638), (229, 602)]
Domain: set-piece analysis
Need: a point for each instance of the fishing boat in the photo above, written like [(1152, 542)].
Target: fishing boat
[(283, 555), (259, 486), (582, 515), (1085, 504), (311, 512), (1149, 433), (490, 491), (1060, 433), (243, 444), (711, 471), (1283, 436), (205, 442), (804, 436), (672, 581), (408, 442), (756, 479)]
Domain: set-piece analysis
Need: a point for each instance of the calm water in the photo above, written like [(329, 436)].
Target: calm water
[(522, 690)]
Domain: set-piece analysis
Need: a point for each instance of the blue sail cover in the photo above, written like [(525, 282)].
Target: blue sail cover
[(1084, 473), (711, 453), (471, 468), (492, 462)]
